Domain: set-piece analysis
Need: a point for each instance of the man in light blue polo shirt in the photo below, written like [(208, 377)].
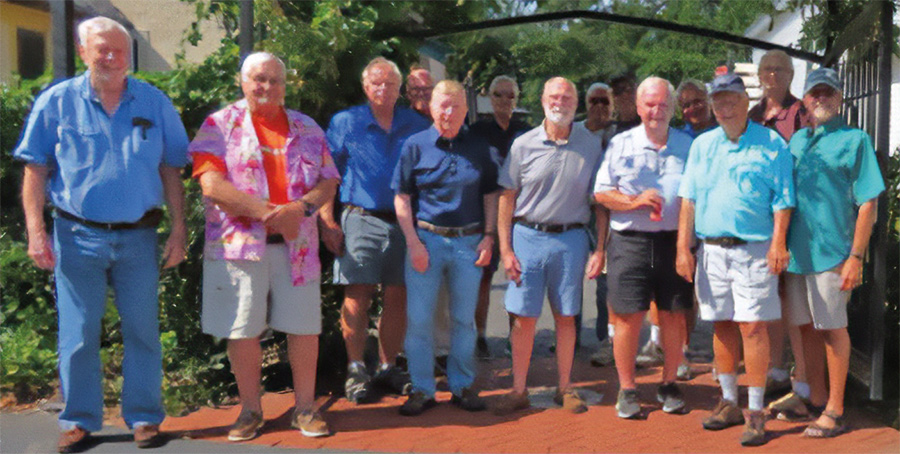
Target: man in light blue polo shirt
[(737, 195), (838, 183), (365, 142), (638, 183), (108, 150)]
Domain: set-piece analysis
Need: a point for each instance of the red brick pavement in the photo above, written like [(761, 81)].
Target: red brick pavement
[(378, 427)]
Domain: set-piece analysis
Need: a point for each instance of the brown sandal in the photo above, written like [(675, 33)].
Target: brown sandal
[(816, 431)]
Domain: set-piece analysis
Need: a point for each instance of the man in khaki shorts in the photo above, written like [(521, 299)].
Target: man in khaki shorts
[(262, 187), (838, 182)]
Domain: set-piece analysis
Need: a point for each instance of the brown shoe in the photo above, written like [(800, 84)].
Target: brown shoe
[(511, 403), (725, 414), (571, 401), (147, 436), (755, 429), (73, 440), (310, 423), (246, 427)]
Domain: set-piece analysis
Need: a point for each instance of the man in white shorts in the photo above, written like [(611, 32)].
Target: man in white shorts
[(737, 194), (262, 186)]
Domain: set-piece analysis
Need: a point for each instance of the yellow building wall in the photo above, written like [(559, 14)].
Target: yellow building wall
[(13, 17)]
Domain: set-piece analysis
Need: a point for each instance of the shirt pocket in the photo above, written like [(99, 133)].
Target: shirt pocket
[(432, 170), (146, 141), (79, 142)]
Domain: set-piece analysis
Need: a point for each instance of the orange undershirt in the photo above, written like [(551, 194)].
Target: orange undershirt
[(272, 135)]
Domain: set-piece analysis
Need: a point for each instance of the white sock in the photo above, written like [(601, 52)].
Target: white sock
[(654, 334), (778, 374), (728, 382), (756, 396), (358, 365), (610, 331), (801, 389)]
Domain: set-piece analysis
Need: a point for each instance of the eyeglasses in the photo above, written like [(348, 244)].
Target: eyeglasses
[(599, 100), (693, 103), (506, 95)]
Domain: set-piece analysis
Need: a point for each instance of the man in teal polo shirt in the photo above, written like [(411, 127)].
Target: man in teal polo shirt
[(739, 184), (838, 182)]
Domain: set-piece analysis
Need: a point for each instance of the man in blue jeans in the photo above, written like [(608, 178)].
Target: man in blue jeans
[(446, 202), (108, 151)]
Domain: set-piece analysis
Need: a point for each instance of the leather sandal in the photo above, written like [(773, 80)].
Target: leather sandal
[(816, 431)]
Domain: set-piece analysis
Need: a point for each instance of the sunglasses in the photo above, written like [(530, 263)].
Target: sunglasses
[(599, 100)]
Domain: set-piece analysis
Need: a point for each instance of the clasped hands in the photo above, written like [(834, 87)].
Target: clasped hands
[(285, 219)]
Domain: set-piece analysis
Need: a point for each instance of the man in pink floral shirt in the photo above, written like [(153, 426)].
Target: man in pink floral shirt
[(264, 171)]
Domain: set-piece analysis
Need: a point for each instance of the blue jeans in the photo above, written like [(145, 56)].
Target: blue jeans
[(88, 260), (452, 259)]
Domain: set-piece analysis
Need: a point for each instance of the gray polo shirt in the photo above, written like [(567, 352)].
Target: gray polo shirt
[(632, 165), (554, 179)]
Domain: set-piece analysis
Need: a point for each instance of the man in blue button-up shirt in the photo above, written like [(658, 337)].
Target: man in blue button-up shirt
[(737, 190), (108, 151), (365, 142)]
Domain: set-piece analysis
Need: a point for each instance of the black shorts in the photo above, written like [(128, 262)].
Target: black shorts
[(641, 269)]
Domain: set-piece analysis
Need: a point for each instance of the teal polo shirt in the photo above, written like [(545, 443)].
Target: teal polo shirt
[(835, 171), (737, 187)]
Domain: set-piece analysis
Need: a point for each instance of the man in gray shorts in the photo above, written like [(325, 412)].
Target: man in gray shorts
[(739, 185), (838, 183), (638, 182), (365, 141)]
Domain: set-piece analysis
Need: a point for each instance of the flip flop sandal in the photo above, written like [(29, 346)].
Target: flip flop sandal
[(816, 431)]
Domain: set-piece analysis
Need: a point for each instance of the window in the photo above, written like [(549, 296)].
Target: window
[(31, 53)]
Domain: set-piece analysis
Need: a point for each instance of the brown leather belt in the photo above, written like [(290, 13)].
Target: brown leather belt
[(549, 228), (451, 232), (726, 241), (150, 219), (387, 216)]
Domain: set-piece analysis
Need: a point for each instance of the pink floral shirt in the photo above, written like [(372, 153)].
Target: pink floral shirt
[(229, 135)]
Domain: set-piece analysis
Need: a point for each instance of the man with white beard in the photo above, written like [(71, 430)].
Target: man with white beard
[(547, 186)]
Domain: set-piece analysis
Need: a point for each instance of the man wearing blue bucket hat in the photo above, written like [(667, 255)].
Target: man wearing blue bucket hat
[(838, 181)]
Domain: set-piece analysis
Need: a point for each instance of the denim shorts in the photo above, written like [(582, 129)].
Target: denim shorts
[(553, 265), (374, 251)]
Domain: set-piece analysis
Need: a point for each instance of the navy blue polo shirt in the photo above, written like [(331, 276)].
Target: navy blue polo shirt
[(500, 138), (447, 179)]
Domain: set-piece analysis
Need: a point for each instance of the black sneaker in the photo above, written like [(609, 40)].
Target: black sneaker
[(416, 404), (358, 387), (481, 348), (393, 380), (670, 396), (469, 400)]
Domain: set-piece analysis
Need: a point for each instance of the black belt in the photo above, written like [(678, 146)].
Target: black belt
[(150, 219), (275, 239), (549, 228), (387, 216), (451, 232), (726, 241), (640, 234)]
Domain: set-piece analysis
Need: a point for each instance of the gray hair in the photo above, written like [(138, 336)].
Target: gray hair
[(100, 24), (381, 61), (600, 86), (257, 58), (654, 80), (504, 78), (780, 54), (692, 84)]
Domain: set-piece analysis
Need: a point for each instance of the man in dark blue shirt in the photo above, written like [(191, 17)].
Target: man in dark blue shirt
[(365, 142), (500, 130), (446, 202)]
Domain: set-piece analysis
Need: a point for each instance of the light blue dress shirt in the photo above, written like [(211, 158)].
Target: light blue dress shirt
[(632, 165), (104, 168), (737, 187)]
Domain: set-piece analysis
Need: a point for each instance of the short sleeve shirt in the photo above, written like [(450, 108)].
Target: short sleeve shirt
[(366, 155), (447, 179), (632, 165), (835, 171), (737, 187), (103, 168), (554, 178)]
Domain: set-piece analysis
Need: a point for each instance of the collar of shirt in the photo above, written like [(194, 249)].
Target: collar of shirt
[(87, 90), (786, 104), (832, 124), (447, 144), (542, 135)]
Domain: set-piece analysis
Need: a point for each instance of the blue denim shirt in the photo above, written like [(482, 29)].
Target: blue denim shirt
[(737, 187), (366, 155), (447, 178), (104, 168)]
